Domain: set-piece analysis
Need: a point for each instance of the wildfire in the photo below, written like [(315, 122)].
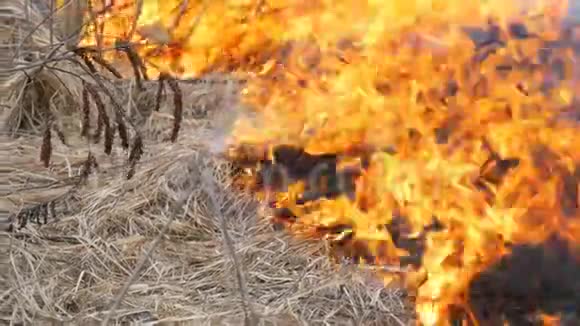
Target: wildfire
[(433, 134)]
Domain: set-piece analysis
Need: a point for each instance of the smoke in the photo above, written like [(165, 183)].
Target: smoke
[(231, 115)]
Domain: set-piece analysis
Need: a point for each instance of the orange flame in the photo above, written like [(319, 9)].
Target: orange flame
[(551, 320), (334, 76)]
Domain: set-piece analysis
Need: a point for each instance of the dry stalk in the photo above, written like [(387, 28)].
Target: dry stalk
[(90, 57), (193, 27), (178, 204), (137, 149), (250, 317), (122, 129), (160, 91), (103, 120), (88, 166), (135, 273), (107, 66), (180, 14), (178, 107), (96, 26), (139, 69), (134, 59), (70, 20), (59, 133), (139, 10), (135, 155), (46, 148), (47, 209), (86, 111)]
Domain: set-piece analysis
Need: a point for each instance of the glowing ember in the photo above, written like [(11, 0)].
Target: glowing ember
[(447, 128)]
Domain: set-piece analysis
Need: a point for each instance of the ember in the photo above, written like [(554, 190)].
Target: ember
[(437, 135)]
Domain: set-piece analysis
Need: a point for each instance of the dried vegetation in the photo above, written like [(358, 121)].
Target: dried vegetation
[(113, 208)]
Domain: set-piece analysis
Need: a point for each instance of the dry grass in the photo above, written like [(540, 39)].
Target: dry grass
[(176, 244), (73, 268)]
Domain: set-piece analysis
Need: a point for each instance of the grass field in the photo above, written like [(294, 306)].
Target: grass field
[(176, 244), (117, 205)]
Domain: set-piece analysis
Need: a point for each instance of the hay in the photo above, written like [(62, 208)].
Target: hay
[(176, 244), (72, 269), (36, 80), (43, 76)]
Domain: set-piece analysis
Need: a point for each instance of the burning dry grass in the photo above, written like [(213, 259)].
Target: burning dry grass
[(176, 243), (73, 268)]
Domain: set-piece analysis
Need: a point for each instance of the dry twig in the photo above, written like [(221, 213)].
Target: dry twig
[(46, 148), (135, 155), (177, 107), (147, 255), (160, 90), (86, 112), (250, 317), (103, 120)]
